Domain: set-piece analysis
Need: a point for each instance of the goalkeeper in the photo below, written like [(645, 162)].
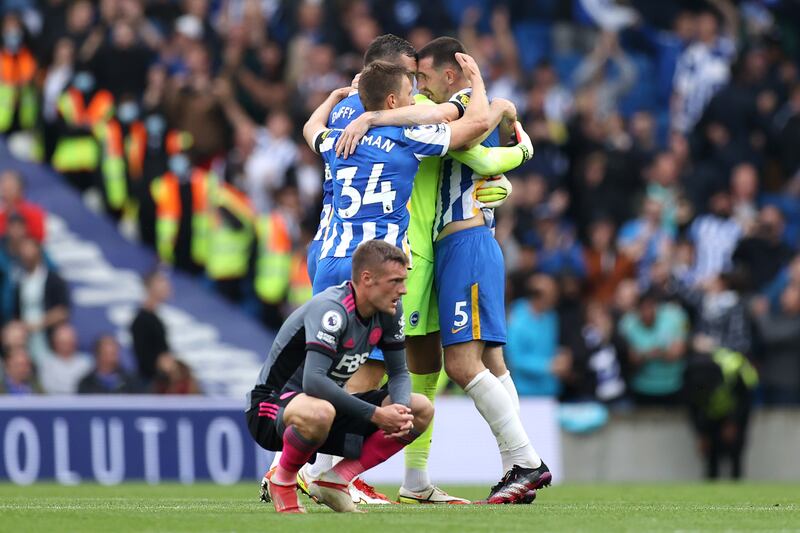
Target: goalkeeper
[(423, 340)]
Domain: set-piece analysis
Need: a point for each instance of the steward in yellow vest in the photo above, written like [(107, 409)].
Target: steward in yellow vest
[(231, 237), (273, 258), (720, 390), (81, 108), (19, 96)]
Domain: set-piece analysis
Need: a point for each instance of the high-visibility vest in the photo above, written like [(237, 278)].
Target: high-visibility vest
[(112, 167), (273, 260), (229, 244), (77, 150), (734, 366), (203, 184), (300, 289), (18, 94), (166, 192), (167, 197)]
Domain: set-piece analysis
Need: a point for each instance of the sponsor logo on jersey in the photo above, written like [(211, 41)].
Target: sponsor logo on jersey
[(349, 364), (401, 333), (332, 321), (327, 339)]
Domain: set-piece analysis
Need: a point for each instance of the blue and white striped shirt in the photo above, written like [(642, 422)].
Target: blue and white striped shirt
[(372, 187)]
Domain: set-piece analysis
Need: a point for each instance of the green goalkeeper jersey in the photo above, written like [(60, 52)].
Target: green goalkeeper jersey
[(422, 206)]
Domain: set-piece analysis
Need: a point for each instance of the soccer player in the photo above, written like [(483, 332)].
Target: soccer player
[(298, 404), (386, 47), (470, 290), (398, 51), (470, 280), (423, 342)]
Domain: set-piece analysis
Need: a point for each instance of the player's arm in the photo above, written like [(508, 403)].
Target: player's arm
[(394, 356), (412, 115), (501, 113), (476, 118), (318, 120), (316, 383)]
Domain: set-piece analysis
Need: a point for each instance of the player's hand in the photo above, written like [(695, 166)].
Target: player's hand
[(469, 66), (348, 141), (354, 83), (494, 191), (394, 418), (341, 93)]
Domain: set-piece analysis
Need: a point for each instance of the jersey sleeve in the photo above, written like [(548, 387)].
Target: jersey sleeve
[(428, 141), (394, 334), (461, 100), (324, 324), (325, 144)]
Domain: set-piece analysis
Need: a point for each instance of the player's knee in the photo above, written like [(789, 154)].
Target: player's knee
[(321, 416), (457, 372), (422, 409)]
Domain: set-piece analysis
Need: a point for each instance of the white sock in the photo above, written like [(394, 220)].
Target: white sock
[(323, 463), (495, 406), (275, 460), (416, 480), (508, 383)]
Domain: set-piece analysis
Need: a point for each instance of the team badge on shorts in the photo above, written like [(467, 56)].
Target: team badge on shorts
[(414, 319)]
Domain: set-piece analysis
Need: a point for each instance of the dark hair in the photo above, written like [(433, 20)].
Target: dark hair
[(443, 51), (378, 80), (371, 255), (388, 47)]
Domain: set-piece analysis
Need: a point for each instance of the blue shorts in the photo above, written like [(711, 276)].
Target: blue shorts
[(312, 258), (470, 280), (335, 271)]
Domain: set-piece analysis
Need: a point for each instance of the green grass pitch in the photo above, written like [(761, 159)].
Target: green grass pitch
[(198, 508)]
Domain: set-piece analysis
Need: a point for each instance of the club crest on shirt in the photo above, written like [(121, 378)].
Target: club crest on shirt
[(332, 321), (414, 319)]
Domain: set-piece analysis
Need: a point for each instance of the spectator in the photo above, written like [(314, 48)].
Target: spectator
[(720, 396), (714, 236), (704, 66), (18, 375), (532, 348), (598, 360), (643, 240), (558, 251), (121, 63), (174, 377), (720, 316), (590, 76), (108, 376), (763, 254), (656, 336), (274, 153), (780, 357), (42, 298), (147, 330), (787, 276), (14, 335), (605, 267), (191, 105), (61, 370), (744, 196), (13, 201)]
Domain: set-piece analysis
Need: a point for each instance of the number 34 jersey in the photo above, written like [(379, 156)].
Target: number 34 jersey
[(372, 187)]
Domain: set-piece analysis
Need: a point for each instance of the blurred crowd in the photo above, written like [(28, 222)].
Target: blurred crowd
[(38, 342), (651, 243)]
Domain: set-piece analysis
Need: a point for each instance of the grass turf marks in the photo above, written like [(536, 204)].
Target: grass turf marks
[(199, 508)]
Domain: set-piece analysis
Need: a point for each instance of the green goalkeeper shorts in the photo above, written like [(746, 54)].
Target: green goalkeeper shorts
[(420, 303)]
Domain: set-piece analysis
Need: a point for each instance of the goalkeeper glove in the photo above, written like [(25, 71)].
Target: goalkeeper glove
[(523, 142), (494, 191)]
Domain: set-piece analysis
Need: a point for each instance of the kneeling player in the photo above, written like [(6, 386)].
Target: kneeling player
[(299, 405)]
